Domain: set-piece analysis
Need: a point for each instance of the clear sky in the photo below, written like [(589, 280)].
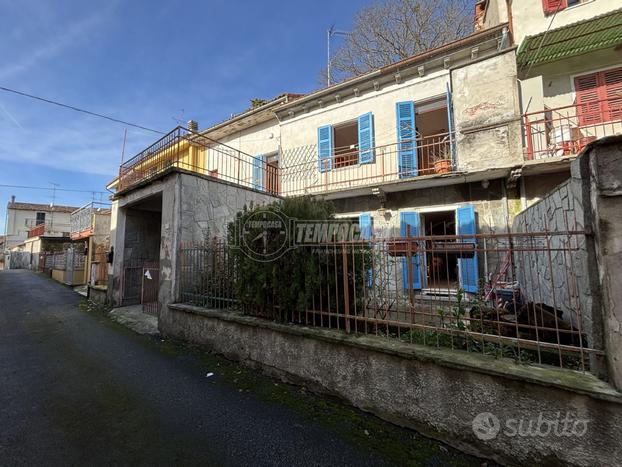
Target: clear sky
[(147, 62)]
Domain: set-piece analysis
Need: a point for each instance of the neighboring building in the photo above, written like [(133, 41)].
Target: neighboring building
[(570, 79), (91, 225), (27, 220)]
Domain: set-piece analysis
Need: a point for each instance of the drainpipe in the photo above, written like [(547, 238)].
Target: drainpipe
[(504, 42)]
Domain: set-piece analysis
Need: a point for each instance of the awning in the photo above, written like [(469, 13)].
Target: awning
[(579, 38)]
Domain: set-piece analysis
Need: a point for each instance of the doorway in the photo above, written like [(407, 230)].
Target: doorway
[(441, 268), (433, 141), (141, 249)]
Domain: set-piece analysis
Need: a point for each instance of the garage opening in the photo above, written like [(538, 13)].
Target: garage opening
[(441, 268), (141, 258)]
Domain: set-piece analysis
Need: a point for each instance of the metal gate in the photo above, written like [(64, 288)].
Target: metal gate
[(150, 289), (140, 285)]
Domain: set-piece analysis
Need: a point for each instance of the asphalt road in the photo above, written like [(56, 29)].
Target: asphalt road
[(76, 389)]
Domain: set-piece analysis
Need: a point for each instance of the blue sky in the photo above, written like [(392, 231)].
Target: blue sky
[(144, 62)]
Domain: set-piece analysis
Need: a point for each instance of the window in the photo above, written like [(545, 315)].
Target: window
[(40, 218), (552, 6), (345, 137), (346, 144), (599, 97)]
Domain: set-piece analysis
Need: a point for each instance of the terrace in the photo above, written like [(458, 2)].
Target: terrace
[(83, 219), (49, 229), (565, 131)]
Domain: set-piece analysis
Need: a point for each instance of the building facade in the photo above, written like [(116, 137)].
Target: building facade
[(454, 141)]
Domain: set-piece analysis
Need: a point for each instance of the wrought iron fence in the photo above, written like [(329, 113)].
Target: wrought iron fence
[(529, 301)]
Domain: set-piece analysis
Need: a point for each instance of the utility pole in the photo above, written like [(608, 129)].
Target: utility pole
[(330, 33)]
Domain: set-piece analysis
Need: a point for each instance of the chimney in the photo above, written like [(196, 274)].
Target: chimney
[(193, 125), (12, 199)]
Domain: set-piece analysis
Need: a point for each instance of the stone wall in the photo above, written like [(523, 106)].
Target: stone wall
[(437, 392), (555, 275)]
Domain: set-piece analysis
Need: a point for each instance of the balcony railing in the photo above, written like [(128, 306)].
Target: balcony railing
[(52, 229), (299, 171), (429, 155), (188, 150), (565, 131), (82, 219)]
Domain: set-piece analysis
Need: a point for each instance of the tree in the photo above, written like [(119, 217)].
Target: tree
[(396, 29)]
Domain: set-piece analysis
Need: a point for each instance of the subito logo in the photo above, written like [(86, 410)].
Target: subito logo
[(486, 426)]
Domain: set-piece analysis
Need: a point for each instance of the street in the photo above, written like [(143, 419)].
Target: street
[(77, 389)]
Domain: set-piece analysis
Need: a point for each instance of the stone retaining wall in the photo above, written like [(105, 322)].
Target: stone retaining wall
[(435, 391)]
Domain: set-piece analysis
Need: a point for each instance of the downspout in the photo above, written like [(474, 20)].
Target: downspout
[(508, 4)]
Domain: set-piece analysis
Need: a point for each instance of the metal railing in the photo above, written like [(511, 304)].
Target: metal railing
[(81, 219), (52, 229), (528, 304), (346, 169), (299, 172), (565, 131), (192, 151)]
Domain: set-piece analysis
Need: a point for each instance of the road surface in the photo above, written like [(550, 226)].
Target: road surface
[(77, 389)]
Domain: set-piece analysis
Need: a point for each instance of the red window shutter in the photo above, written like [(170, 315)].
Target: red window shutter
[(612, 84), (588, 96), (551, 6)]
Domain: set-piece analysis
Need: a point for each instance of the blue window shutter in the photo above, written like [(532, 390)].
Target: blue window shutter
[(366, 224), (465, 217), (366, 138), (258, 164), (325, 148), (412, 219), (406, 139), (450, 124)]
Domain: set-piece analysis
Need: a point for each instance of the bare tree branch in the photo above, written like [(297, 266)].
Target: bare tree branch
[(391, 30)]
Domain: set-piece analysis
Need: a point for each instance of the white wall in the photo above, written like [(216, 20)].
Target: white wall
[(529, 19), (19, 222), (299, 134)]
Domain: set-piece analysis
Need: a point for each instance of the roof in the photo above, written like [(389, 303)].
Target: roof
[(280, 99), (40, 207), (407, 62), (578, 38)]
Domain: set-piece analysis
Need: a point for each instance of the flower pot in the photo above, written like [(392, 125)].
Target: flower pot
[(442, 166)]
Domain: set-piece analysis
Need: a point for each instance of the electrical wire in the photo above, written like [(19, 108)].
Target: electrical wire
[(23, 187), (541, 43), (77, 109)]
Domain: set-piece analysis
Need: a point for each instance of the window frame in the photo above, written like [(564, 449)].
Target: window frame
[(349, 154)]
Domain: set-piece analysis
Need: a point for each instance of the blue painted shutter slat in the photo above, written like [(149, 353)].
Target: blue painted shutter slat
[(412, 219), (366, 138), (406, 138), (450, 124), (366, 225), (258, 163), (468, 266), (325, 148)]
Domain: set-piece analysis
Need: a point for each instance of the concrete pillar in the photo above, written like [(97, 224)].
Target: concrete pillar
[(603, 160)]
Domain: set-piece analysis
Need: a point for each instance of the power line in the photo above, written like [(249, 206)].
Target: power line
[(77, 109), (50, 189)]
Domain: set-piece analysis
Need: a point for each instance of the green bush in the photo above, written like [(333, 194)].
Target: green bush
[(302, 279)]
